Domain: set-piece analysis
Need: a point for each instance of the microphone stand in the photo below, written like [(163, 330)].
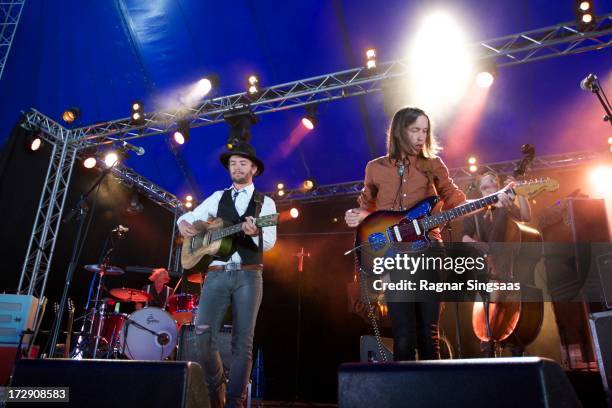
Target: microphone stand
[(300, 255), (603, 99), (458, 337), (81, 210)]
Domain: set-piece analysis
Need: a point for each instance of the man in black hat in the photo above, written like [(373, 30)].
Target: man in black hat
[(236, 279)]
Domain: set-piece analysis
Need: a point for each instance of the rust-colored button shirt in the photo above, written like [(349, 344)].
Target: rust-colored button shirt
[(422, 178)]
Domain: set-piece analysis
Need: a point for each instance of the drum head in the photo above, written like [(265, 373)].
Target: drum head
[(140, 344)]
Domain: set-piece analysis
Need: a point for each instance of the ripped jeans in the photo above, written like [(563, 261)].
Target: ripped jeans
[(243, 290)]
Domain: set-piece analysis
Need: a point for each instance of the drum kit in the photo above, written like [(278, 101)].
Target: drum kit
[(150, 333)]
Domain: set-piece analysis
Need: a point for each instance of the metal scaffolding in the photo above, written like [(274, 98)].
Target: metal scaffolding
[(549, 42), (534, 45), (459, 175), (41, 247), (10, 13)]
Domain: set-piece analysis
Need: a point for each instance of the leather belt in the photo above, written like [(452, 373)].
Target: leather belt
[(236, 267)]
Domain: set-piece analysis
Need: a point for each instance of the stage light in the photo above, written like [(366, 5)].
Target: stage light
[(335, 219), (310, 121), (442, 64), (111, 159), (281, 193), (308, 184), (253, 84), (472, 160), (178, 137), (90, 162), (138, 115), (371, 58), (71, 114), (188, 204), (585, 15), (203, 87), (240, 127), (484, 79), (280, 186), (473, 168), (181, 134), (600, 177), (486, 72), (189, 197), (294, 212), (33, 140)]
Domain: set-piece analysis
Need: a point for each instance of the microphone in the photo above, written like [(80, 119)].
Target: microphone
[(588, 83), (121, 229), (139, 150)]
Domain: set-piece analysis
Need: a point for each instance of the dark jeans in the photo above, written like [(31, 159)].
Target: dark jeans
[(415, 325), (243, 289)]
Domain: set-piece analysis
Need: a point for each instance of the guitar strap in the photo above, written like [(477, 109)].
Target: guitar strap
[(259, 199)]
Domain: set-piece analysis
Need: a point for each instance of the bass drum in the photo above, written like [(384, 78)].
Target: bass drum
[(138, 338)]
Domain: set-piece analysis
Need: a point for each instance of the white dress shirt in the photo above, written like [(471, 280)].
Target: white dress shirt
[(210, 206)]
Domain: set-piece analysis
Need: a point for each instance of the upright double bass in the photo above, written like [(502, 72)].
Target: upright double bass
[(504, 318)]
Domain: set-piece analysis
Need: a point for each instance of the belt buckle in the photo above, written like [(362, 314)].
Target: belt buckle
[(232, 266)]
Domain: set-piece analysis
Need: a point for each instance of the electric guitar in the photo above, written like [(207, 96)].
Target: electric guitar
[(382, 229), (69, 328), (214, 240)]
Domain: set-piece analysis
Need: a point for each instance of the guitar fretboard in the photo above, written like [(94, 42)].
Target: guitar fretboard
[(437, 219), (225, 232)]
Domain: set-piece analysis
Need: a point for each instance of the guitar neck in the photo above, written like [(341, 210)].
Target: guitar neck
[(445, 216), (226, 232)]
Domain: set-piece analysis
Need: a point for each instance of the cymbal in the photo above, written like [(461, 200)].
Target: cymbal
[(110, 270), (130, 295), (196, 278)]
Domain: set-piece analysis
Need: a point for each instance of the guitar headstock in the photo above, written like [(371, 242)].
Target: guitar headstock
[(531, 188), (267, 220)]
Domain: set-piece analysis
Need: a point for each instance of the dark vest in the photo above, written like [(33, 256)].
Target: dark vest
[(248, 251)]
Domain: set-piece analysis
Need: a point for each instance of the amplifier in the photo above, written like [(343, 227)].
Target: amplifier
[(16, 315)]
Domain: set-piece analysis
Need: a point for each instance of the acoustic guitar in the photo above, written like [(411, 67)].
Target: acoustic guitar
[(214, 240)]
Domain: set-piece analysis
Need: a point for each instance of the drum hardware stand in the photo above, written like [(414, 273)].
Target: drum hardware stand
[(81, 210)]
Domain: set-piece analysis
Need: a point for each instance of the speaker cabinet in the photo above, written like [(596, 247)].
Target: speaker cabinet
[(117, 383), (601, 331), (474, 383)]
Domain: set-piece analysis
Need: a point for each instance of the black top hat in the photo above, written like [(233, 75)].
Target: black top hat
[(242, 150)]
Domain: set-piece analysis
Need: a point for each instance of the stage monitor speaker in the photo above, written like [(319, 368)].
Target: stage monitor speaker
[(601, 332), (117, 383), (473, 383)]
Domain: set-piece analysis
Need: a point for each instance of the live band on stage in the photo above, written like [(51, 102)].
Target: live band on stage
[(404, 265)]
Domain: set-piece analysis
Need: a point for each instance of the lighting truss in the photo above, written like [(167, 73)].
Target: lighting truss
[(459, 175), (554, 41), (10, 13), (549, 42), (40, 250)]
